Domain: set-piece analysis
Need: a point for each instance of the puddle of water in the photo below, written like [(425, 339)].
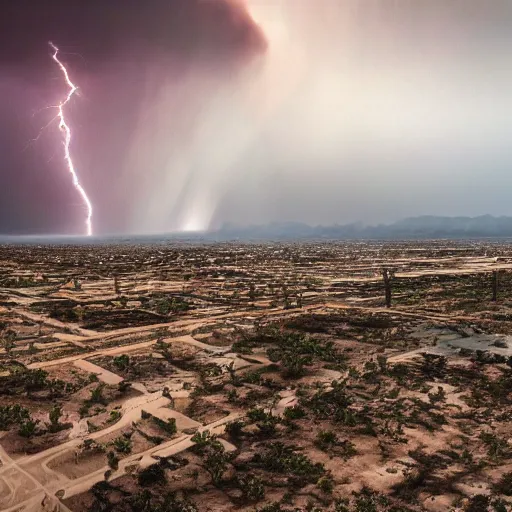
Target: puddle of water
[(478, 342)]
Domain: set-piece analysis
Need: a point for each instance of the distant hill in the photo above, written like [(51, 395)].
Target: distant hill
[(424, 227), (412, 228)]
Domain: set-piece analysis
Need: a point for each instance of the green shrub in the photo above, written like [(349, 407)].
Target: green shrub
[(113, 460), (326, 484), (325, 439), (121, 362), (279, 458), (12, 415), (235, 428), (216, 461), (114, 416), (97, 395), (252, 488), (28, 428), (122, 444), (504, 486), (202, 440), (168, 426), (294, 413)]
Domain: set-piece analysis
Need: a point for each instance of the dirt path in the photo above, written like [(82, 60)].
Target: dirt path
[(104, 375), (438, 317), (123, 350), (29, 494), (45, 320), (172, 447)]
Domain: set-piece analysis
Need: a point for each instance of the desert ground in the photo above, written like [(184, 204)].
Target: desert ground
[(270, 377)]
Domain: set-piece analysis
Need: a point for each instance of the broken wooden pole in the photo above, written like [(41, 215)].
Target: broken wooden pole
[(494, 285), (386, 276)]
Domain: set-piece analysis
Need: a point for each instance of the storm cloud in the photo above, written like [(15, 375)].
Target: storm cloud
[(196, 113)]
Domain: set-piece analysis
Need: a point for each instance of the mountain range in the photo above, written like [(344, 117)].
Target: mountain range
[(423, 227)]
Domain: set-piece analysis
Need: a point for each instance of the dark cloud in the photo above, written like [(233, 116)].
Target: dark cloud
[(113, 48), (212, 29), (189, 116)]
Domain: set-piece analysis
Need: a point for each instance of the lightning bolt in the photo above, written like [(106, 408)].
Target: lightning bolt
[(64, 127)]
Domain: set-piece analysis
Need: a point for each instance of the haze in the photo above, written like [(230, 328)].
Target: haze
[(336, 111)]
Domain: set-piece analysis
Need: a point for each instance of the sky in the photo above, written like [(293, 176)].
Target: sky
[(195, 113)]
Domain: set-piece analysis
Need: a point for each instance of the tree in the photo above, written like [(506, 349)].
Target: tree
[(504, 486), (216, 461), (433, 365), (286, 297), (326, 484)]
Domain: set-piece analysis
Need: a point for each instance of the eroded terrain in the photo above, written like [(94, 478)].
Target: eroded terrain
[(264, 377)]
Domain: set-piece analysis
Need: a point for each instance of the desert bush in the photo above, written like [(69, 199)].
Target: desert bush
[(257, 414), (216, 461), (252, 488), (122, 444), (146, 501), (168, 426), (331, 405), (28, 428), (12, 415), (154, 474), (326, 439), (368, 500), (326, 484), (21, 379), (114, 416), (54, 416), (202, 440), (97, 395), (439, 396), (272, 507), (279, 458), (121, 362), (504, 485), (294, 413), (112, 460), (235, 429), (265, 421), (433, 365), (496, 447)]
